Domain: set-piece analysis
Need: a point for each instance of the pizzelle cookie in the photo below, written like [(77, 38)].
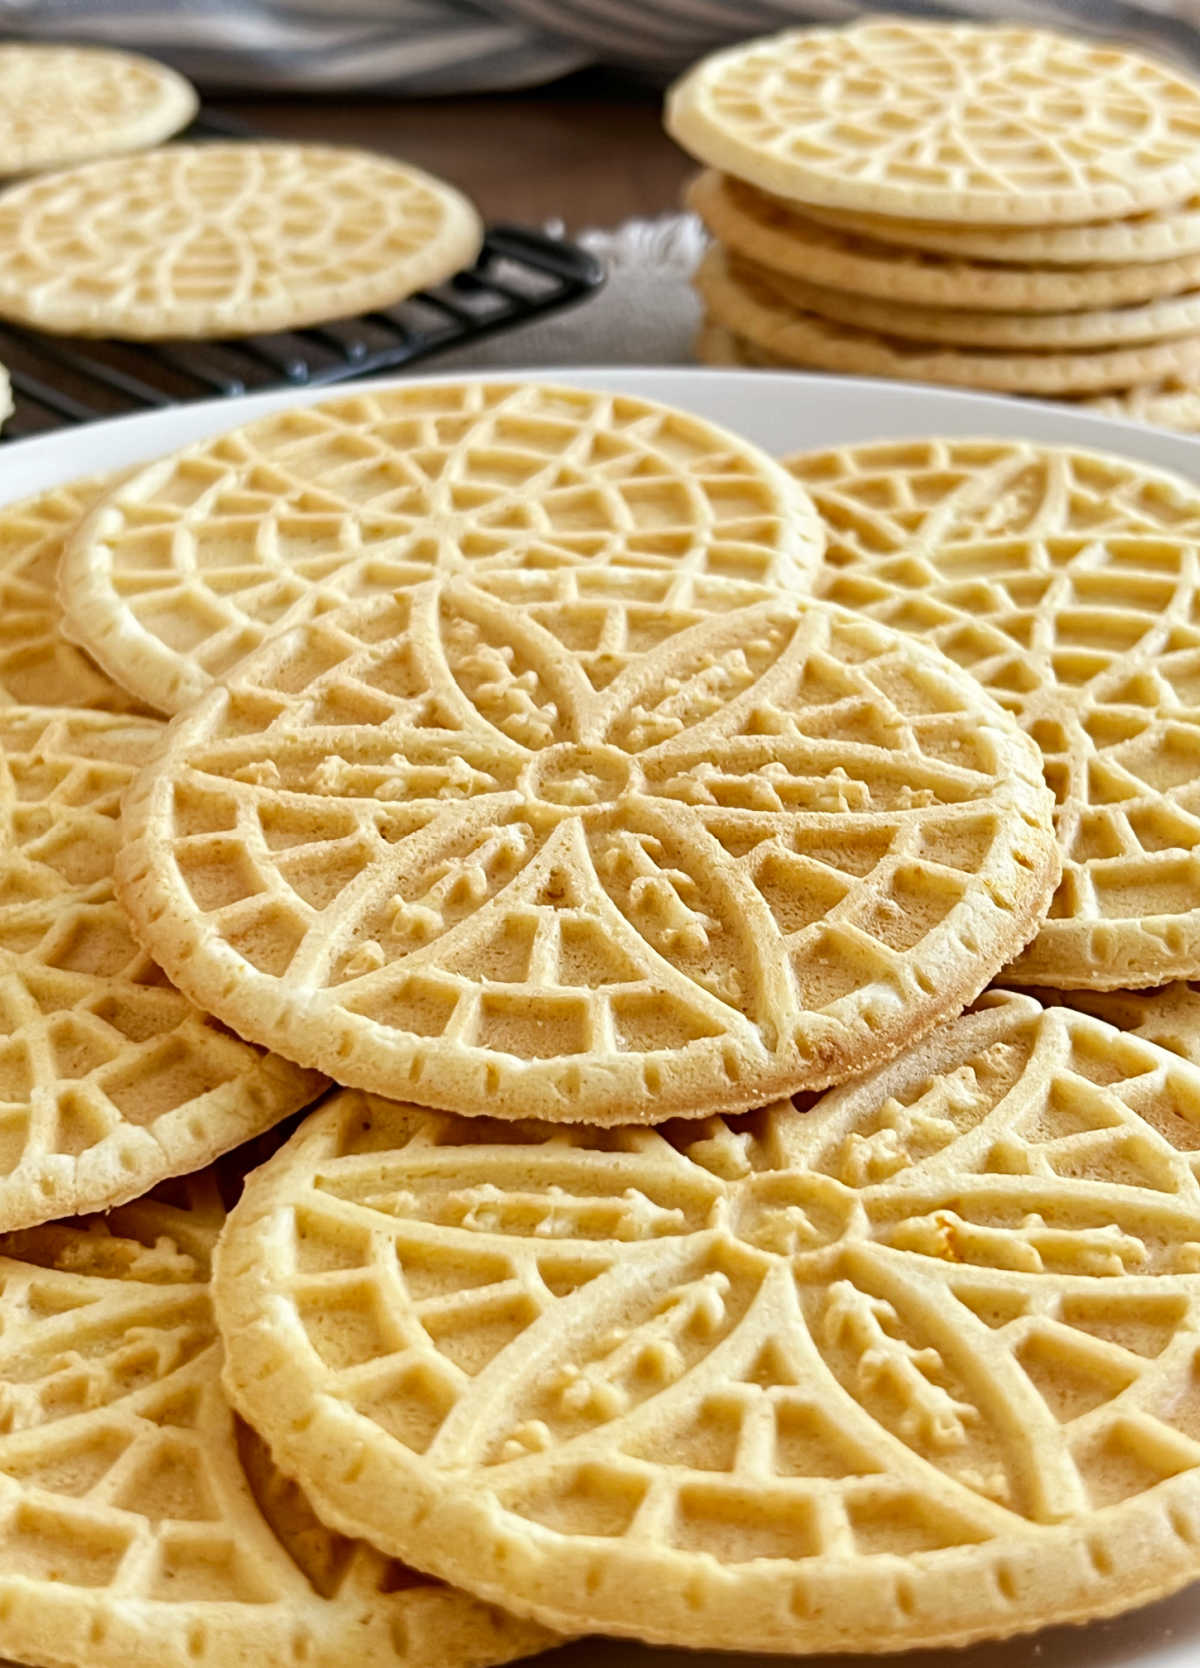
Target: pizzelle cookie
[(144, 1525), (774, 234), (64, 104), (109, 1079), (1168, 1017), (195, 558), (225, 239), (38, 667), (754, 310), (1089, 637), (914, 1368), (714, 345), (1170, 404), (952, 122), (889, 496), (1095, 327), (544, 849), (1158, 235)]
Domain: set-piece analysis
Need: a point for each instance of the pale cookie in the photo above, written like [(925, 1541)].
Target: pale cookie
[(1089, 637), (1159, 235), (109, 1079), (38, 667), (913, 1368), (771, 233), (197, 557), (714, 345), (953, 122), (225, 239), (753, 310), (64, 104), (1170, 404), (1169, 1016), (536, 850), (886, 497), (1098, 327), (144, 1524)]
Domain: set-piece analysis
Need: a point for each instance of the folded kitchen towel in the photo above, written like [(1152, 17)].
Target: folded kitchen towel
[(646, 314)]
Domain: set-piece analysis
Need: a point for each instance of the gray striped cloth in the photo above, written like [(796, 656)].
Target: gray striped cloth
[(458, 46)]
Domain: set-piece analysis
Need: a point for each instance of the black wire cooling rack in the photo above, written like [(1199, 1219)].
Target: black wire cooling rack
[(61, 381)]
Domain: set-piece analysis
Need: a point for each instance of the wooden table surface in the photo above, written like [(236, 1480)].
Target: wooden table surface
[(588, 150)]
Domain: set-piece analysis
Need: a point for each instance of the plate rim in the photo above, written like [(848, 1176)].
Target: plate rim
[(905, 409)]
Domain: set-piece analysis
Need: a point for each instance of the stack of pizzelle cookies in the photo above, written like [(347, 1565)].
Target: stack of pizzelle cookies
[(988, 207), (604, 1074), (114, 234)]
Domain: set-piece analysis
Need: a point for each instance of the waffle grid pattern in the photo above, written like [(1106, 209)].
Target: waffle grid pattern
[(927, 1353), (38, 667), (1089, 635), (190, 562), (953, 123), (109, 1079), (140, 1523), (63, 104), (770, 846), (225, 239)]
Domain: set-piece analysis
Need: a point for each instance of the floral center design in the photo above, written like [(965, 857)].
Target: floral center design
[(791, 1213), (569, 780), (514, 871)]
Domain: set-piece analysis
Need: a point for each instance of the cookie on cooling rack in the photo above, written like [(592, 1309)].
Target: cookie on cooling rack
[(65, 104), (225, 239)]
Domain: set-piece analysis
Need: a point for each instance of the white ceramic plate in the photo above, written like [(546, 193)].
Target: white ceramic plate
[(784, 413)]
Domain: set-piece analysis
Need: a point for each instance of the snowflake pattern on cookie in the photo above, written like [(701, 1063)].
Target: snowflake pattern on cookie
[(524, 847)]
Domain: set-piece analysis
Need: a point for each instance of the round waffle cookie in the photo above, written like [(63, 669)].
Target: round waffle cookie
[(195, 558), (144, 1525), (753, 308), (225, 239), (1170, 404), (714, 345), (109, 1079), (38, 667), (1159, 235), (913, 1368), (773, 234), (1168, 1017), (546, 850), (953, 122), (1089, 636), (64, 104), (961, 326), (890, 496)]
